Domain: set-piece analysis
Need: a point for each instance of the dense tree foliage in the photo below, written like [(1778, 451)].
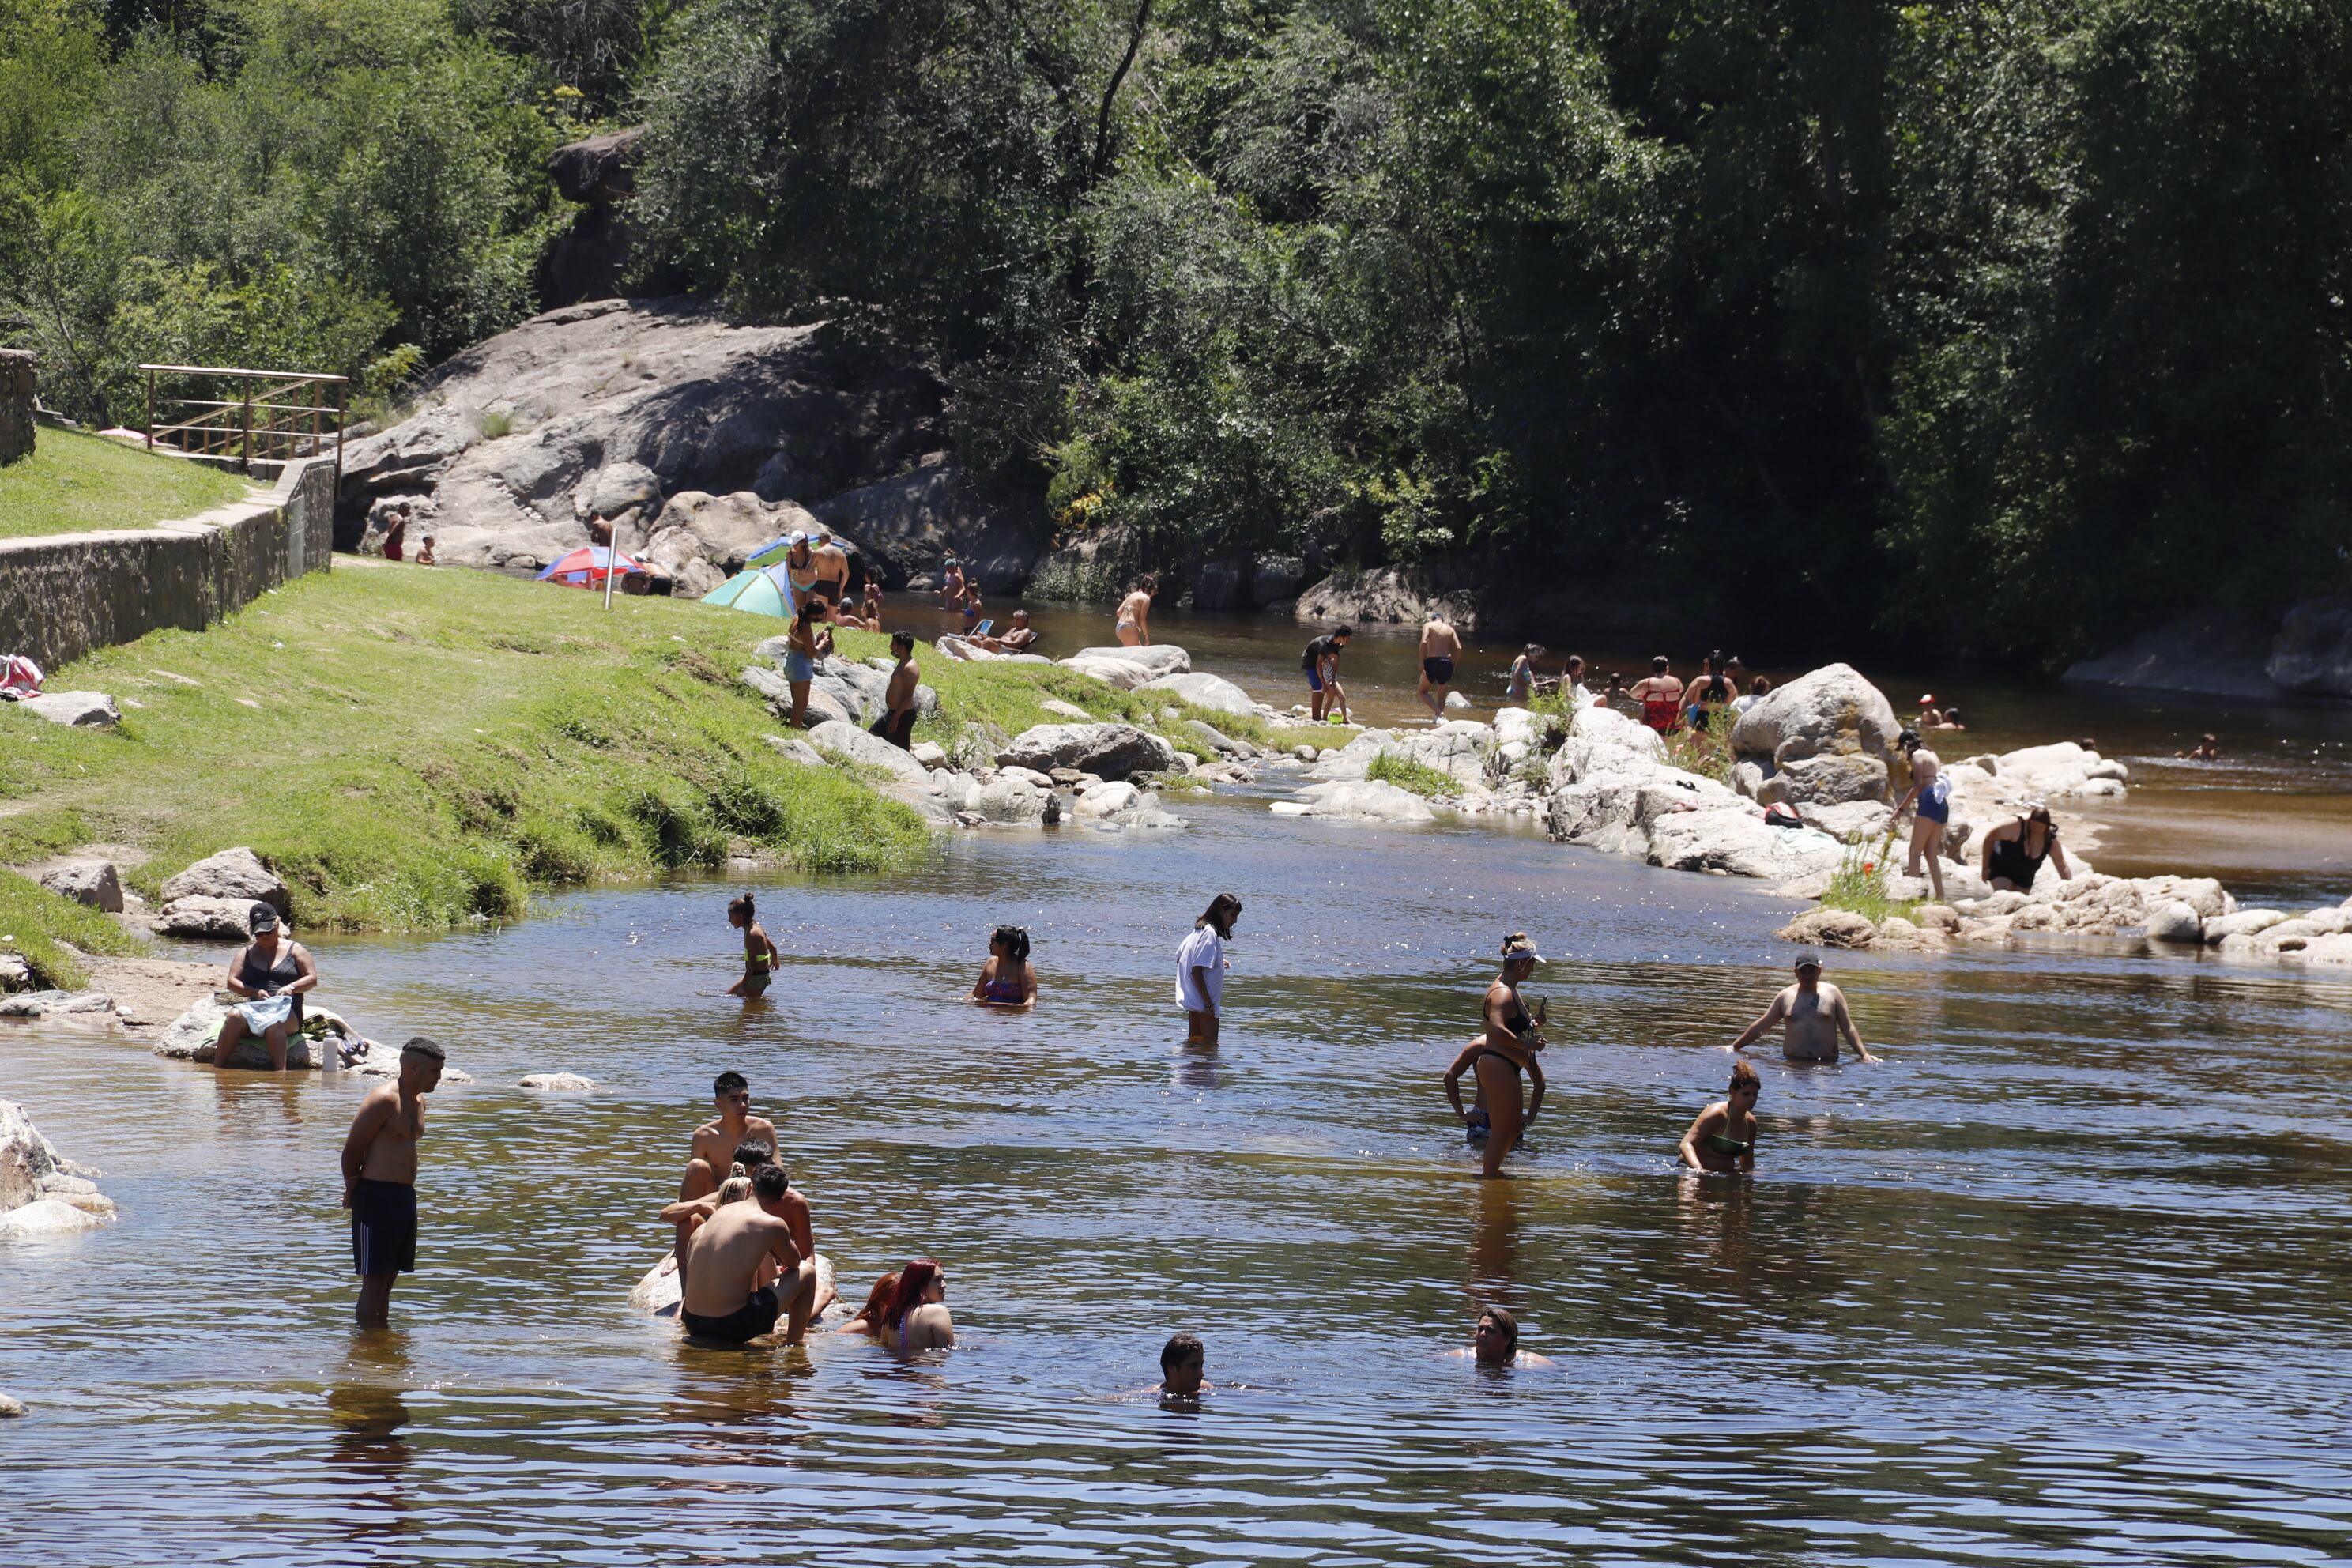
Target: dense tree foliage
[(2006, 326), (294, 183)]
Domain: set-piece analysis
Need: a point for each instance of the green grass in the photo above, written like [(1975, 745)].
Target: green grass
[(34, 922), (432, 745), (1406, 774), (1859, 883), (74, 482)]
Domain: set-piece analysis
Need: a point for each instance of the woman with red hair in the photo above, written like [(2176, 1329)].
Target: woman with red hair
[(917, 1317), (870, 1316)]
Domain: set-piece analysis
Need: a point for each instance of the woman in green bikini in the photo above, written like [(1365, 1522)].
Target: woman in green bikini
[(1722, 1142), (760, 954)]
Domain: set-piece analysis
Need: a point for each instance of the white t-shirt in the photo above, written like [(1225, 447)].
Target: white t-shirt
[(1203, 950), (1742, 704)]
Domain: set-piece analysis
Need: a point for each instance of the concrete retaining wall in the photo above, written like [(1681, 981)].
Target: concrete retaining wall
[(63, 595)]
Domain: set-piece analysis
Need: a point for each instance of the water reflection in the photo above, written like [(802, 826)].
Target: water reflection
[(1494, 1241), (368, 1404)]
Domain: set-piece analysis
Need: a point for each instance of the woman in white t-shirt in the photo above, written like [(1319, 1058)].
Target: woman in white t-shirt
[(1201, 968)]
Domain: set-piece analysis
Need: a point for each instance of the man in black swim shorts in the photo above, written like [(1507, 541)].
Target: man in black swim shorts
[(744, 1271), (1439, 643), (380, 1178)]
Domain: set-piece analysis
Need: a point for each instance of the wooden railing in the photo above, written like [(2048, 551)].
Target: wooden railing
[(276, 414)]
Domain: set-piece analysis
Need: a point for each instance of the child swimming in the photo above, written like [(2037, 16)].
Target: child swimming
[(1007, 980), (760, 954)]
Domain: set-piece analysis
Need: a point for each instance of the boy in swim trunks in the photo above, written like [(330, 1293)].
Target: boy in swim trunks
[(1438, 644), (897, 724), (724, 1300), (380, 1178), (713, 1152)]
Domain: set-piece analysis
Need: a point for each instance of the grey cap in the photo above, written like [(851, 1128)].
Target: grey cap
[(261, 917), (1808, 959)]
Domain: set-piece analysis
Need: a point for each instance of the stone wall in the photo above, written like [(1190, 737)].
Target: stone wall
[(66, 594), (15, 404)]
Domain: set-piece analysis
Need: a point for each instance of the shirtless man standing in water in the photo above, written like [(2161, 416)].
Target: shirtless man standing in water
[(380, 1178), (1811, 1016), (745, 1269), (1440, 643)]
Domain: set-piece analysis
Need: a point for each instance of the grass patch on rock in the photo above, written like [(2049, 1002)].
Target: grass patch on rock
[(36, 925), (1859, 884), (1406, 774), (410, 749), (74, 483)]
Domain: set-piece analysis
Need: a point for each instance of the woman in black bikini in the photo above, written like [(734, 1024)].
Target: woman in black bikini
[(2014, 851), (1007, 980), (1513, 1035), (1722, 1142)]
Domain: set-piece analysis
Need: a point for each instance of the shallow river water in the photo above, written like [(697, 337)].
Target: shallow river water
[(2062, 1279)]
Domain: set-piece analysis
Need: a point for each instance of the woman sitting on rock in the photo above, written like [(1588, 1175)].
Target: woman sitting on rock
[(2014, 851), (271, 971)]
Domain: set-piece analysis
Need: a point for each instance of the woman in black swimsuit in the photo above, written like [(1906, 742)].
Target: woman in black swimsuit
[(1512, 1037), (2014, 851), (271, 965)]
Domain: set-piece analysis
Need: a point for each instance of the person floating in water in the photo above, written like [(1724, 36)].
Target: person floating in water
[(1812, 1016), (1183, 1360), (380, 1178), (1930, 796), (760, 952), (1722, 1142), (1007, 980), (917, 1317), (1496, 1058), (744, 1268), (1200, 969), (2205, 751), (1494, 1341)]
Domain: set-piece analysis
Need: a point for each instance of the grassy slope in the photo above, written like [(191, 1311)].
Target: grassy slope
[(432, 744), (73, 483)]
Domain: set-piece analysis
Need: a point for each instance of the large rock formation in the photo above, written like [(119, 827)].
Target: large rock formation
[(615, 406), (2312, 654), (1395, 594), (588, 261), (1108, 750), (2221, 656), (1826, 737), (41, 1192)]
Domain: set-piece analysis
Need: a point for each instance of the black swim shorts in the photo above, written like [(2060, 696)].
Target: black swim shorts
[(746, 1322), (383, 1227), (1439, 670)]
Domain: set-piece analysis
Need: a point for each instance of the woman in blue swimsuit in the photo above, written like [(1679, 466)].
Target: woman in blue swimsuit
[(1007, 980)]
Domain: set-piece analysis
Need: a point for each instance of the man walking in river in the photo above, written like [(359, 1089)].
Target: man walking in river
[(1440, 644), (380, 1178), (1811, 1016)]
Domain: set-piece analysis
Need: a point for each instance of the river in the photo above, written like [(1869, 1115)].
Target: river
[(2061, 1279)]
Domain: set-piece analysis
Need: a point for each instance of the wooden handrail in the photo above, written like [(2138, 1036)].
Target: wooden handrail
[(225, 370)]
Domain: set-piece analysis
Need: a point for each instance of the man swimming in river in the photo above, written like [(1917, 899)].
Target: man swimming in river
[(1182, 1363), (712, 1155), (745, 1269), (1811, 1016)]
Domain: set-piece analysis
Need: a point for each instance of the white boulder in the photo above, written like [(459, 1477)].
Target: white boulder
[(1370, 800), (1202, 690), (1157, 659), (76, 710), (1013, 800), (92, 882), (206, 919), (49, 1217), (236, 873), (1830, 710), (1112, 750), (557, 1082), (868, 751), (2176, 923)]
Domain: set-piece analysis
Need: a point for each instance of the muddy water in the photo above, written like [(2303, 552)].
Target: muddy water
[(2273, 818), (2062, 1280)]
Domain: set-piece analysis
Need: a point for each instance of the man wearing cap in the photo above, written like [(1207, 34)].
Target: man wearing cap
[(380, 1178), (830, 563), (1811, 1016), (271, 972)]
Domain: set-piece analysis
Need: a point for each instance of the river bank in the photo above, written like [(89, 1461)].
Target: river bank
[(412, 750)]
